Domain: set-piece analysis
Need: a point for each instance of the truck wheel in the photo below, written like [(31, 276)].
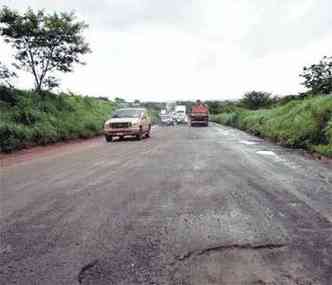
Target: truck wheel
[(108, 138)]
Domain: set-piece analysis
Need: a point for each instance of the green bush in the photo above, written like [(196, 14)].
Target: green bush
[(328, 131), (303, 123), (32, 119), (14, 136), (325, 150), (8, 95)]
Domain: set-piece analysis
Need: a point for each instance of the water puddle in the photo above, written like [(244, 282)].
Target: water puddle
[(248, 142), (275, 157), (270, 154), (267, 152)]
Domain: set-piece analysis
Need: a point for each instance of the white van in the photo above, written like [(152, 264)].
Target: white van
[(180, 114)]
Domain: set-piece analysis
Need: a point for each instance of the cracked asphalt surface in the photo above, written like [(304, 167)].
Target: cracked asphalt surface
[(188, 206)]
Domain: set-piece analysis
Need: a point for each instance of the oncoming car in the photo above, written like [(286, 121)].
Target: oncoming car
[(128, 122), (166, 120)]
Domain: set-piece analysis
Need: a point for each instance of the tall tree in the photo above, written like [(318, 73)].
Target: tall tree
[(318, 77), (44, 43)]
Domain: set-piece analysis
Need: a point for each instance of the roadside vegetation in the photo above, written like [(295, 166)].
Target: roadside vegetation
[(44, 45), (303, 123), (29, 118), (298, 121)]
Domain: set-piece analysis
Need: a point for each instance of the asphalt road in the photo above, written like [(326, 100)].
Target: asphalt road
[(188, 206)]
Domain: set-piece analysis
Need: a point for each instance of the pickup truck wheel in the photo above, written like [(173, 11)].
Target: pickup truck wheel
[(108, 138), (148, 134), (140, 135)]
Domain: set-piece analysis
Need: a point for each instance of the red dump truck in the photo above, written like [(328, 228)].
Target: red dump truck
[(199, 114)]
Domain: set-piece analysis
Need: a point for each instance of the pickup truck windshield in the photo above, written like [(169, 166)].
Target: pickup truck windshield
[(134, 113)]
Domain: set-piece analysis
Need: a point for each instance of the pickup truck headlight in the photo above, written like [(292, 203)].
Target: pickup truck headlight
[(135, 125)]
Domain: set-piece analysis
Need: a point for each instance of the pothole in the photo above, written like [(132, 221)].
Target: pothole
[(6, 249), (85, 271)]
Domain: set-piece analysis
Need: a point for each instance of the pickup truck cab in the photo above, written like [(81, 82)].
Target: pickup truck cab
[(128, 122)]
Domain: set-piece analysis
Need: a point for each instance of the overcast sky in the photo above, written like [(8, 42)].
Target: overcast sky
[(188, 49)]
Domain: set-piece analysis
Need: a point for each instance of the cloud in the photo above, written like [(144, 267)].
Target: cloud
[(208, 49), (115, 14), (285, 25)]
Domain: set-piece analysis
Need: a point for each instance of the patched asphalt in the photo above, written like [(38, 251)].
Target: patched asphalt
[(188, 206)]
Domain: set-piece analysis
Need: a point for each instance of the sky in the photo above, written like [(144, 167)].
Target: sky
[(165, 50)]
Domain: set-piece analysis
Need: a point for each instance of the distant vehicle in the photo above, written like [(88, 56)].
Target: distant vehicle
[(199, 114), (166, 119), (180, 114), (128, 122)]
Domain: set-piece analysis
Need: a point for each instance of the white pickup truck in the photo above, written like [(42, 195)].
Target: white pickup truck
[(128, 122)]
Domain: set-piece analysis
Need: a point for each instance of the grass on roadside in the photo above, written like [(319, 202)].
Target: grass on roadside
[(300, 124), (30, 119)]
